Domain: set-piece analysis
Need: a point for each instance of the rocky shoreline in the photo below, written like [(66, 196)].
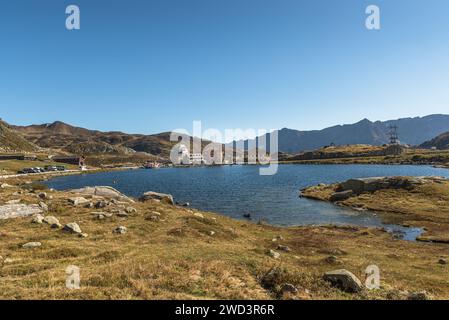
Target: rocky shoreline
[(410, 201)]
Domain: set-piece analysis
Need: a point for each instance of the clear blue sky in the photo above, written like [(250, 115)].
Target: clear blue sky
[(156, 65)]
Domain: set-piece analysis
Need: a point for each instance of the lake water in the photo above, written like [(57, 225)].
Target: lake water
[(238, 190)]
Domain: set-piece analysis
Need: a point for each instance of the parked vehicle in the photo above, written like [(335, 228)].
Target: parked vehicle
[(28, 170), (61, 168), (50, 168)]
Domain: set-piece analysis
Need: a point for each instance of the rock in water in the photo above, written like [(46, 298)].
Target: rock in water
[(344, 280), (31, 245), (162, 197), (73, 228), (10, 211)]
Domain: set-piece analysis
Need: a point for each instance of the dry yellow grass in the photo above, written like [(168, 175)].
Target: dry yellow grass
[(178, 257)]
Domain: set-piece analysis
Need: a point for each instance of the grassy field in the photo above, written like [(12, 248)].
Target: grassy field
[(411, 156), (187, 254)]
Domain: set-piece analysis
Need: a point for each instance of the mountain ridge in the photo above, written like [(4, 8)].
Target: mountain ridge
[(411, 130)]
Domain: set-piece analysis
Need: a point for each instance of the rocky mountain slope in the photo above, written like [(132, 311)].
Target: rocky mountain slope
[(441, 142), (413, 131), (12, 141), (59, 135)]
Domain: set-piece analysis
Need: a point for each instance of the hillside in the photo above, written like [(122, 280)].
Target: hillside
[(62, 136), (413, 131), (12, 141), (441, 142)]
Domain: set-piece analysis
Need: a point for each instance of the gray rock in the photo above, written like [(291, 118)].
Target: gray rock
[(122, 214), (283, 248), (102, 191), (73, 228), (377, 183), (421, 295), (78, 200), (341, 196), (442, 261), (120, 230), (43, 206), (274, 254), (11, 211), (101, 204), (15, 201), (38, 219), (52, 221), (5, 186), (289, 288), (331, 260), (42, 195), (344, 280), (162, 197), (131, 210), (31, 245)]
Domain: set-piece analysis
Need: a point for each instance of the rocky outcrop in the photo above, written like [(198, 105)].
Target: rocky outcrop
[(341, 196), (162, 197), (105, 192), (10, 211), (378, 183)]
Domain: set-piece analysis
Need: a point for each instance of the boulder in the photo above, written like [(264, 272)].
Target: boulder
[(378, 183), (344, 280), (10, 211), (78, 200), (14, 201), (131, 210), (442, 261), (38, 219), (122, 214), (52, 221), (289, 288), (72, 228), (43, 206), (42, 195), (421, 295), (31, 245), (102, 191), (120, 230), (162, 197), (101, 204), (274, 254), (5, 186), (284, 248), (341, 196)]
